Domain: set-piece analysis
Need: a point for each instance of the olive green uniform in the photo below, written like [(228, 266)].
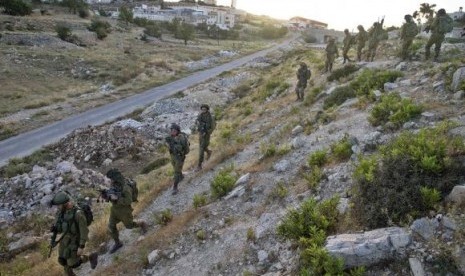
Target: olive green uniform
[(331, 54), (374, 37), (347, 42), (205, 127), (303, 75), (178, 153), (121, 211), (72, 224), (361, 38), (408, 32), (436, 38)]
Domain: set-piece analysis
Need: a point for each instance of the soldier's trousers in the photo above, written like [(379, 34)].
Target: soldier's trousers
[(204, 142), (178, 163), (67, 254), (436, 39), (405, 52), (359, 51), (329, 63), (120, 214)]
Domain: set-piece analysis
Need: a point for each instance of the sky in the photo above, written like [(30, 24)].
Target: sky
[(341, 14)]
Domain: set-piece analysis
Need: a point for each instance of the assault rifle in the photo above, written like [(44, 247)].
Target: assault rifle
[(53, 241), (106, 194)]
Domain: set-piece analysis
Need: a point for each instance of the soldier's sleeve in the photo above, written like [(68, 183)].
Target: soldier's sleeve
[(83, 229), (126, 196)]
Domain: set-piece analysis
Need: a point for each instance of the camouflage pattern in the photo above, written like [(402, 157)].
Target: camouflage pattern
[(361, 39), (331, 54), (178, 155), (437, 36), (121, 211), (303, 75), (347, 42), (72, 224), (408, 31), (204, 124), (374, 37)]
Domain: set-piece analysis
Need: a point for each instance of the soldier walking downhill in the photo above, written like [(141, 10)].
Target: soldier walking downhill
[(441, 25), (331, 54), (205, 125), (72, 224), (374, 37), (408, 31), (303, 75), (361, 38), (121, 210), (178, 146), (347, 42)]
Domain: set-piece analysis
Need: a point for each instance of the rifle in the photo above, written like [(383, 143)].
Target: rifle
[(107, 193), (53, 241)]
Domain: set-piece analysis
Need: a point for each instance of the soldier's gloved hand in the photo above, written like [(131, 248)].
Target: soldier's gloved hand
[(113, 197)]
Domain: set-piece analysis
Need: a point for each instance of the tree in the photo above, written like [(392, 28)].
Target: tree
[(185, 32), (126, 15), (74, 5), (16, 7), (427, 10)]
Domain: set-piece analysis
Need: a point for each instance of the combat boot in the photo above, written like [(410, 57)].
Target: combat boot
[(209, 154), (175, 188), (93, 259), (143, 227), (115, 247)]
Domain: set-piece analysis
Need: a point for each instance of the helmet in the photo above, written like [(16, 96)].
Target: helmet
[(441, 11), (360, 27), (116, 176), (303, 64), (346, 31), (407, 17), (60, 198), (205, 106), (175, 127)]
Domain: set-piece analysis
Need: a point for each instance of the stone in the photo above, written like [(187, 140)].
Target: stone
[(237, 192), (428, 116), (459, 256), (416, 267), (343, 205), (389, 86), (297, 142), (425, 227), (368, 248), (297, 130), (107, 162), (405, 83), (448, 223), (439, 86), (459, 95), (47, 189), (378, 94), (457, 195), (46, 200), (262, 256), (402, 66), (282, 166), (23, 244), (65, 167), (458, 78), (154, 257), (410, 125), (243, 180)]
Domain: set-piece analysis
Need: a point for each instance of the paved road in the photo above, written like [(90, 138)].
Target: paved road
[(26, 143)]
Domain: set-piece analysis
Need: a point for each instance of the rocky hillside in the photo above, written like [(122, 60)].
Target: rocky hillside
[(364, 177)]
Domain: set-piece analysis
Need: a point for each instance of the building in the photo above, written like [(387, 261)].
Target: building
[(304, 23)]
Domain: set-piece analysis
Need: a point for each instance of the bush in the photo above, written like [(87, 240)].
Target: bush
[(153, 30), (271, 32), (318, 158), (223, 182), (370, 80), (309, 38), (201, 235), (199, 200), (100, 27), (388, 185), (343, 72), (339, 96), (342, 150), (314, 177), (83, 13), (155, 165), (279, 192), (63, 32), (241, 90), (18, 166), (392, 108), (430, 197), (251, 235), (164, 217), (16, 7)]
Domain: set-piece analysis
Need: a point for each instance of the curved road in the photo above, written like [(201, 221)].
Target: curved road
[(26, 143)]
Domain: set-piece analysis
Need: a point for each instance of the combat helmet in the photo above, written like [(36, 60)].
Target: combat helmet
[(175, 127), (408, 17), (205, 106), (60, 198), (116, 176), (441, 11)]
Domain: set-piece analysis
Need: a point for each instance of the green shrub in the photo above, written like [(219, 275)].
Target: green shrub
[(100, 27), (83, 13), (164, 217), (339, 96), (63, 32), (342, 150), (17, 166), (160, 162), (314, 177), (153, 30), (223, 182), (251, 235), (270, 149), (318, 158), (315, 260), (279, 192), (392, 108), (241, 90), (388, 186), (343, 72), (16, 7), (201, 235), (199, 200), (370, 80), (430, 197), (310, 98)]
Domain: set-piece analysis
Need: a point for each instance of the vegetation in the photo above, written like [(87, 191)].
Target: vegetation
[(199, 200), (318, 158), (126, 15), (389, 184), (343, 72), (271, 32), (155, 165), (369, 80), (164, 217), (16, 7), (342, 150), (392, 108), (63, 32), (100, 27), (223, 182), (18, 166), (339, 96)]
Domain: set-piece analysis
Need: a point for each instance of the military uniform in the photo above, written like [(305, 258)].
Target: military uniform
[(205, 128), (121, 209), (361, 38), (374, 37), (437, 36), (177, 148), (303, 75), (347, 42), (331, 54), (408, 31), (72, 224)]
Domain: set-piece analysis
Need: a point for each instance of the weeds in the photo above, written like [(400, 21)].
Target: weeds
[(223, 182), (199, 200), (392, 108), (343, 72), (341, 150), (164, 217), (318, 158), (370, 80), (251, 237), (339, 96), (160, 162)]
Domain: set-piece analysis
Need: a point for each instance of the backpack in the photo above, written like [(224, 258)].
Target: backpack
[(411, 30), (445, 24), (134, 190), (84, 206)]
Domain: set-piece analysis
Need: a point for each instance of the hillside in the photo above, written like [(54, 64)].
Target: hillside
[(368, 168)]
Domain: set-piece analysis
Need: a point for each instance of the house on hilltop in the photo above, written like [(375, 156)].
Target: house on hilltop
[(301, 23)]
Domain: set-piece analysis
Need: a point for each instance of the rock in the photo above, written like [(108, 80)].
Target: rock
[(402, 66), (389, 86), (405, 82), (262, 256), (282, 166), (459, 256), (154, 257), (416, 267), (428, 116), (425, 227), (459, 95), (243, 180), (297, 130), (457, 195), (343, 205), (371, 140), (237, 192), (107, 162), (458, 78), (448, 223), (439, 86), (129, 123), (65, 167), (46, 200), (378, 94), (22, 244), (368, 248), (297, 142), (47, 189), (410, 125)]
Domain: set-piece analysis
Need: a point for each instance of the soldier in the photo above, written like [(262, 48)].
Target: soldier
[(374, 37), (347, 42), (408, 31), (205, 125), (121, 209), (179, 147), (303, 75), (361, 38), (441, 25), (331, 53), (72, 224)]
